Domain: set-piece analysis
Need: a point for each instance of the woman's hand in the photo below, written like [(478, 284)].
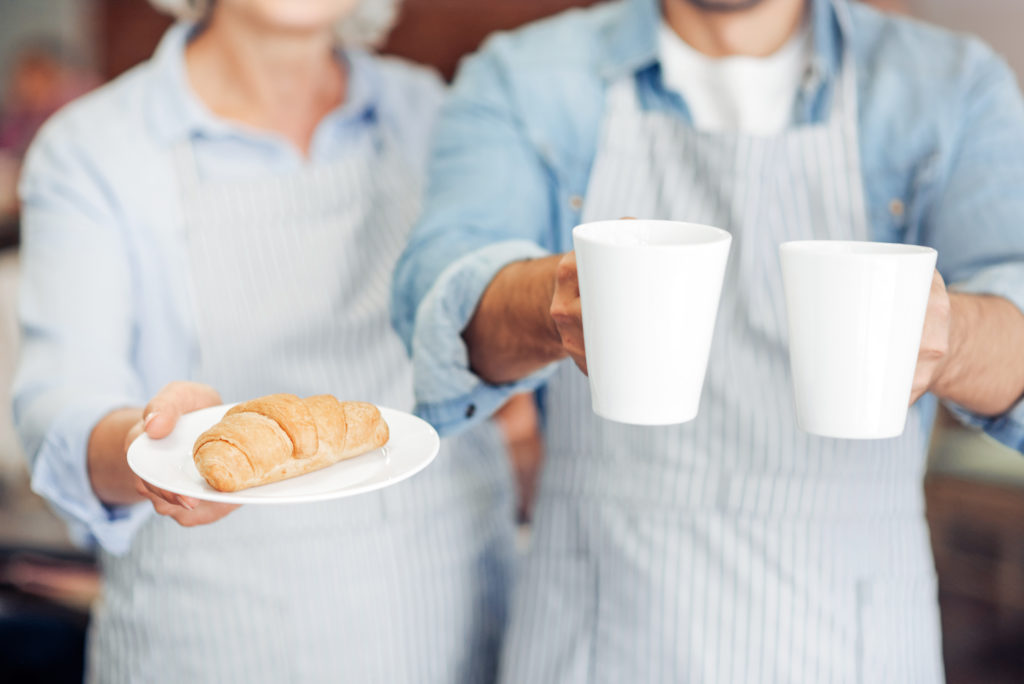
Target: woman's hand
[(158, 420)]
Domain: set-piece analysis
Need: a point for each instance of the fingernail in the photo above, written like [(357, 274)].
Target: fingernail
[(186, 504), (148, 420)]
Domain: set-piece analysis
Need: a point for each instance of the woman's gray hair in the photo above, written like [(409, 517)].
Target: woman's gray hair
[(367, 26)]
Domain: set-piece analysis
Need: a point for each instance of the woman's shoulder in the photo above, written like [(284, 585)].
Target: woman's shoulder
[(104, 139), (109, 117)]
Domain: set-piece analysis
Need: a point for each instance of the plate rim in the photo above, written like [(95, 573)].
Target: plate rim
[(385, 476)]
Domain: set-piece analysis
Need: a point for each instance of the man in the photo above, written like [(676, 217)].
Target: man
[(734, 548)]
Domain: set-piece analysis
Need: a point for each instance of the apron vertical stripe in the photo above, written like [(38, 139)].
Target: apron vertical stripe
[(734, 547), (290, 279)]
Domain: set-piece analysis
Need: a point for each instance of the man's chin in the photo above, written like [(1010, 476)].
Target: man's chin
[(724, 5)]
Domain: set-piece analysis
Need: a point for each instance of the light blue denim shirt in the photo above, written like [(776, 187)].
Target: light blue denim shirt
[(106, 316), (941, 125)]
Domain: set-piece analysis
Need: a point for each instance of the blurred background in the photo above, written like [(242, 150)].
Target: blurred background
[(54, 50)]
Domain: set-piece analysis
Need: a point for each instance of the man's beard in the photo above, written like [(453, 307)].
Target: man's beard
[(724, 5)]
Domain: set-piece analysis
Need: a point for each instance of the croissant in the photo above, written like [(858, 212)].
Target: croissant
[(280, 436)]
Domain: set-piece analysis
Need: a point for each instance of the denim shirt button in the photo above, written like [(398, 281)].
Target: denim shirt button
[(576, 202), (896, 207)]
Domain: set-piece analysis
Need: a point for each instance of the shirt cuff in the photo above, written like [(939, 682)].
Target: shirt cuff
[(1007, 281), (60, 475), (448, 394)]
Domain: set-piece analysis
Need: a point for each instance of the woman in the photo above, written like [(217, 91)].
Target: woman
[(224, 219)]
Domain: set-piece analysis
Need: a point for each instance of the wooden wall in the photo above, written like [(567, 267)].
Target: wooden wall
[(436, 32)]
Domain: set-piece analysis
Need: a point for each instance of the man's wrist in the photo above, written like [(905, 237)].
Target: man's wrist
[(511, 333)]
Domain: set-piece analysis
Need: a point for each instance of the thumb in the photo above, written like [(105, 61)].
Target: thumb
[(163, 411)]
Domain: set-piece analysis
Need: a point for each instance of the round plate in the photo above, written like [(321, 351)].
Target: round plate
[(167, 463)]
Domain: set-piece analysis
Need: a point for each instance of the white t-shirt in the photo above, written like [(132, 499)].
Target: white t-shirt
[(753, 95)]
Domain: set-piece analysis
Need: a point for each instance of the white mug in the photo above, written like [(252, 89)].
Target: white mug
[(649, 291), (856, 313)]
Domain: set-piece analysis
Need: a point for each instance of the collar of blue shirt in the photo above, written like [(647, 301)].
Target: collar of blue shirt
[(176, 112), (633, 49)]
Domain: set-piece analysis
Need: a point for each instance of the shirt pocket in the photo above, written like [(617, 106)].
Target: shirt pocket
[(896, 193), (889, 197), (898, 631)]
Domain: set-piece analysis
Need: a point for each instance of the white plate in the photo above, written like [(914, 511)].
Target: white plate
[(167, 463)]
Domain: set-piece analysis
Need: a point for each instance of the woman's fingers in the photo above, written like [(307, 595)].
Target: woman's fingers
[(185, 510), (205, 513), (163, 411), (154, 493), (158, 420)]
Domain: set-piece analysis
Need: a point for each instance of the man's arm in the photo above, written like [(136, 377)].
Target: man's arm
[(971, 351), (473, 289), (488, 186), (515, 329), (974, 333), (985, 372)]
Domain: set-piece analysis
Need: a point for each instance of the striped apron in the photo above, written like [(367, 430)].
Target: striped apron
[(734, 548), (290, 280)]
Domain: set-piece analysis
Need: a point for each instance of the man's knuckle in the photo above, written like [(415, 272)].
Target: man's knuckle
[(560, 313)]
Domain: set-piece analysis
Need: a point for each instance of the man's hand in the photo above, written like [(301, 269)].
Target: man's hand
[(933, 355), (511, 333), (566, 312), (158, 420), (970, 351)]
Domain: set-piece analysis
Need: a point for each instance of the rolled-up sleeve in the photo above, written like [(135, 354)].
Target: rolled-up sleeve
[(977, 220), (489, 203), (448, 394), (76, 317)]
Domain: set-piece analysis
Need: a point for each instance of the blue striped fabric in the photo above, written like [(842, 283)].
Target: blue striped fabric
[(734, 548), (290, 282)]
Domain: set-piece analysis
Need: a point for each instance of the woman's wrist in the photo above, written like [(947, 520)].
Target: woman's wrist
[(109, 475)]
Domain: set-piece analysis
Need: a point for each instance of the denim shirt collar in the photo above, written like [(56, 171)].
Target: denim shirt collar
[(632, 48)]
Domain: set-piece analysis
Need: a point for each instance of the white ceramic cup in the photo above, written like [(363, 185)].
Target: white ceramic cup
[(649, 292), (856, 313)]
